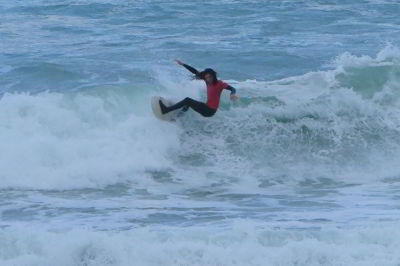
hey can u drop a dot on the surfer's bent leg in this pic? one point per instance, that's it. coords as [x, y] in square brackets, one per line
[199, 107]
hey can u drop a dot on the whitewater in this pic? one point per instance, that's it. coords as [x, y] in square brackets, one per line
[302, 170]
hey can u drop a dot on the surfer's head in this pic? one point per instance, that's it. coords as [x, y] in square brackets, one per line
[209, 75]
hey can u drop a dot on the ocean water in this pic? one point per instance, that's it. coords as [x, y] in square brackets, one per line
[304, 169]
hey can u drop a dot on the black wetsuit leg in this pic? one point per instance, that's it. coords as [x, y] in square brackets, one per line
[199, 107]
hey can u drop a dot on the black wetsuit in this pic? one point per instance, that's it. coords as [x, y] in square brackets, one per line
[200, 107]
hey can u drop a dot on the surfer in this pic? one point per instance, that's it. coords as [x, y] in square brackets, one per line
[214, 90]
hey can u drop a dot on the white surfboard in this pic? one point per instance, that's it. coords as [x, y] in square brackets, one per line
[155, 106]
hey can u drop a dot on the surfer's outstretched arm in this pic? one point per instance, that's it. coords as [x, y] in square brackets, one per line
[233, 92]
[191, 69]
[232, 89]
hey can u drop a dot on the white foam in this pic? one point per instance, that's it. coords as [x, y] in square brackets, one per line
[244, 243]
[60, 141]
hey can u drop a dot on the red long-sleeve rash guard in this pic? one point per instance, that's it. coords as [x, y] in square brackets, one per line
[213, 90]
[214, 93]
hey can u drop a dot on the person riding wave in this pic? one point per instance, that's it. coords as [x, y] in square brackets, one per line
[214, 90]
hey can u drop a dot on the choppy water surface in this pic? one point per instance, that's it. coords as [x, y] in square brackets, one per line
[302, 170]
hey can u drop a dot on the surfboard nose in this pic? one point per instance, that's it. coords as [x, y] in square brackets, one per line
[155, 107]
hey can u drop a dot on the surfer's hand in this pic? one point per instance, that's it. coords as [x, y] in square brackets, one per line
[179, 62]
[234, 97]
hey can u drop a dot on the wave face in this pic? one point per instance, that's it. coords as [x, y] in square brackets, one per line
[302, 170]
[321, 124]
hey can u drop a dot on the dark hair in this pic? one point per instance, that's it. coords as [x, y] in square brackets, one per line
[209, 71]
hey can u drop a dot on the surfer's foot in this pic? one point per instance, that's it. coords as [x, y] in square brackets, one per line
[163, 107]
[185, 108]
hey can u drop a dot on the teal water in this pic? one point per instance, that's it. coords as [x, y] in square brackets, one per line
[302, 170]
